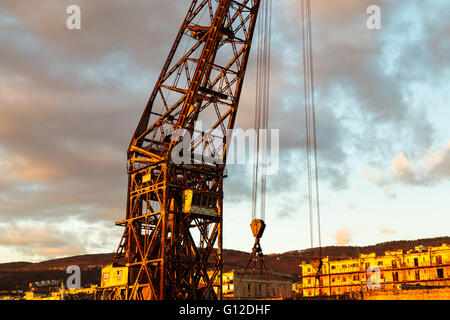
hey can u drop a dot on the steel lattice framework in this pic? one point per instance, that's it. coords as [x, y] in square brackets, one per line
[201, 82]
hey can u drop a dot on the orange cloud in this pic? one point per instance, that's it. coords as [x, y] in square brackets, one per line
[343, 236]
[402, 168]
[427, 169]
[26, 170]
[45, 240]
[439, 163]
[388, 231]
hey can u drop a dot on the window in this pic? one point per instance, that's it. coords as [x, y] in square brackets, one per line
[119, 275]
[106, 276]
[440, 273]
[439, 259]
[333, 267]
[417, 275]
[380, 263]
[394, 263]
[395, 276]
[416, 262]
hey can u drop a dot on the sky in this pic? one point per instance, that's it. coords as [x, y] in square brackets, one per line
[71, 99]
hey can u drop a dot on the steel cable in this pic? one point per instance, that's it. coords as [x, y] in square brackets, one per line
[262, 94]
[310, 121]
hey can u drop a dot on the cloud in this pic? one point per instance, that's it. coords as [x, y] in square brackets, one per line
[439, 163]
[343, 236]
[364, 87]
[70, 100]
[388, 231]
[290, 205]
[427, 169]
[379, 181]
[402, 169]
[38, 241]
[25, 170]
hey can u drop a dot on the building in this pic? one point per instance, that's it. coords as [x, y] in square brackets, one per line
[31, 295]
[426, 267]
[114, 276]
[238, 284]
[63, 294]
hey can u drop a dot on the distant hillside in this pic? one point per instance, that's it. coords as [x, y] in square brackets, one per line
[88, 261]
[13, 266]
[17, 275]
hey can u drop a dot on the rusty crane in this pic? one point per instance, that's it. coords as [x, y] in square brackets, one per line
[169, 203]
[172, 202]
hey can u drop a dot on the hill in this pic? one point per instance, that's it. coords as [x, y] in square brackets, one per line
[17, 275]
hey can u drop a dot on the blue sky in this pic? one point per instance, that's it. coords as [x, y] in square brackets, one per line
[70, 101]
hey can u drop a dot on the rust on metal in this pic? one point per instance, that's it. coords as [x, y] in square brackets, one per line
[172, 241]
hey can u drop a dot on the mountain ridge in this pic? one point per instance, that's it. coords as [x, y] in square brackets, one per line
[17, 275]
[87, 261]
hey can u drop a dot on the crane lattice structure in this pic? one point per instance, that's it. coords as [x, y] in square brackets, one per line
[171, 203]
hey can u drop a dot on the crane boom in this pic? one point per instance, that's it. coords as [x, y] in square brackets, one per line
[171, 203]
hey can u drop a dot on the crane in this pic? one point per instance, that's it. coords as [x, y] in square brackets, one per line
[170, 203]
[177, 158]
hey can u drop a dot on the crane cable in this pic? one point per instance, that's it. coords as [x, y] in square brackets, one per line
[262, 89]
[310, 119]
[264, 28]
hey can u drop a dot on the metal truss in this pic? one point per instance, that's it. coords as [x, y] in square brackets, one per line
[172, 253]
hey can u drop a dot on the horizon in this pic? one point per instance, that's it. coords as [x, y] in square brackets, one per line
[247, 252]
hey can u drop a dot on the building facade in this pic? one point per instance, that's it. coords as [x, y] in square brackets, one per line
[237, 284]
[428, 267]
